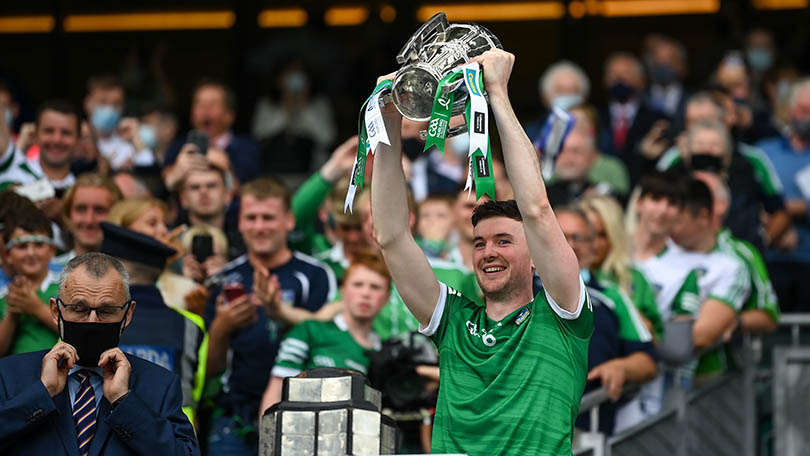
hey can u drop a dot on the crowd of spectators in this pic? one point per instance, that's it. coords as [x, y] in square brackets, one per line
[682, 204]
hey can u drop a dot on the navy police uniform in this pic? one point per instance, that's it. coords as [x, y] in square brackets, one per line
[173, 339]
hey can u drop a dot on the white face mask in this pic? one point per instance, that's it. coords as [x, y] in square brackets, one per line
[460, 145]
[567, 101]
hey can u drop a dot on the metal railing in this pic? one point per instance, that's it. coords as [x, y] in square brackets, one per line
[718, 417]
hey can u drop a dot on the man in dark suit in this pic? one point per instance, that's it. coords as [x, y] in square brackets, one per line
[213, 112]
[85, 396]
[628, 117]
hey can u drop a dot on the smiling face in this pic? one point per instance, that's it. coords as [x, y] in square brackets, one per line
[90, 206]
[364, 292]
[29, 258]
[57, 136]
[657, 215]
[264, 224]
[501, 257]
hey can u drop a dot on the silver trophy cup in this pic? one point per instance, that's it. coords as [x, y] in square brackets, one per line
[431, 53]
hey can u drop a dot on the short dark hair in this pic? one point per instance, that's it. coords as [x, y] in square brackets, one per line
[698, 196]
[31, 220]
[230, 96]
[492, 208]
[12, 203]
[61, 106]
[667, 184]
[104, 81]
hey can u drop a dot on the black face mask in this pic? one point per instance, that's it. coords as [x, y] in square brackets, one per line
[621, 92]
[412, 147]
[91, 339]
[663, 74]
[707, 162]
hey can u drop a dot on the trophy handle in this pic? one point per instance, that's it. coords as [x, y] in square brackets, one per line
[436, 24]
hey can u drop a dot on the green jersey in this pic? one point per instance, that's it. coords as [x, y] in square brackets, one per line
[676, 288]
[764, 171]
[395, 320]
[14, 169]
[31, 334]
[509, 387]
[763, 296]
[641, 294]
[313, 344]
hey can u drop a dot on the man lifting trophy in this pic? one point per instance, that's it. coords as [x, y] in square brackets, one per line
[512, 371]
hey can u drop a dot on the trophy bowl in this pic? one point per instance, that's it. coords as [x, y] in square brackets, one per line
[435, 50]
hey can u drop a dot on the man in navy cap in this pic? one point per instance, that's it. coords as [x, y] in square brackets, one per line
[169, 337]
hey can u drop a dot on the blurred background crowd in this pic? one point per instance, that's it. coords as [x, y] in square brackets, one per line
[683, 186]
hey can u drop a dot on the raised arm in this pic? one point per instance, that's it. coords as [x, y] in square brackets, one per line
[552, 256]
[413, 277]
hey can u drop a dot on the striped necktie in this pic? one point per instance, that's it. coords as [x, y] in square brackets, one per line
[84, 412]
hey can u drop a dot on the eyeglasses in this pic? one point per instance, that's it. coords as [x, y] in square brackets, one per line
[81, 312]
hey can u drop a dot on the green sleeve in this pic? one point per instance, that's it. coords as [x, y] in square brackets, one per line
[687, 300]
[293, 353]
[764, 171]
[644, 298]
[305, 205]
[763, 296]
[631, 325]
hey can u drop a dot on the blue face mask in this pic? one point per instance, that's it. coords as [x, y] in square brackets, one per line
[568, 101]
[148, 136]
[105, 118]
[760, 59]
[9, 118]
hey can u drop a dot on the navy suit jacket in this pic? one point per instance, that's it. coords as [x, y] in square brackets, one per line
[148, 421]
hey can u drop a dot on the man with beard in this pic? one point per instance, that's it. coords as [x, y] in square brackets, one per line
[513, 370]
[85, 395]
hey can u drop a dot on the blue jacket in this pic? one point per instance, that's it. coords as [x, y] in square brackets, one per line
[148, 421]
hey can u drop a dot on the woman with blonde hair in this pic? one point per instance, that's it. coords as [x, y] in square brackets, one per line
[148, 216]
[612, 262]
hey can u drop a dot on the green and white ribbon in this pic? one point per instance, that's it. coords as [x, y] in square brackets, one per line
[371, 131]
[477, 115]
[442, 110]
